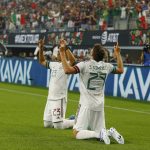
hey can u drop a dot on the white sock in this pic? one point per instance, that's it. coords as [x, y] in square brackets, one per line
[64, 124]
[48, 124]
[87, 134]
[68, 123]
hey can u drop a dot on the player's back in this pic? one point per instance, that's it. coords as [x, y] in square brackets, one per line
[58, 81]
[92, 81]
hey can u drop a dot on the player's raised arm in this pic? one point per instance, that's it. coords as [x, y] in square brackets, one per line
[41, 56]
[67, 68]
[119, 68]
[70, 57]
[142, 57]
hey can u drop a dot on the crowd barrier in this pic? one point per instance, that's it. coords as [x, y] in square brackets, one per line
[106, 38]
[134, 83]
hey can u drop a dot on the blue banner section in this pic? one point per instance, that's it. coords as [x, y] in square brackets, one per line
[22, 71]
[134, 83]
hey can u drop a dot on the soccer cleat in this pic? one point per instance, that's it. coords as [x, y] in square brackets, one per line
[104, 137]
[113, 133]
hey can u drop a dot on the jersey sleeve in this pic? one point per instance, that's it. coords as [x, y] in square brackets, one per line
[79, 67]
[110, 68]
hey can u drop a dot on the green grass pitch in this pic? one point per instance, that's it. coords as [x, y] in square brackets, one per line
[21, 124]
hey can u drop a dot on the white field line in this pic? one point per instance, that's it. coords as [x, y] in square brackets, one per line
[40, 95]
[126, 109]
[22, 92]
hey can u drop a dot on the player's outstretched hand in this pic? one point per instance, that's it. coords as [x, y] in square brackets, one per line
[41, 43]
[116, 49]
[62, 44]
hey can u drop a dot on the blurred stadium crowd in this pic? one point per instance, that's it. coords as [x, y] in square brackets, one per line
[74, 15]
[35, 15]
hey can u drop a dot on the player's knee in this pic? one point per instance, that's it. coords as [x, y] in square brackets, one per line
[75, 133]
[58, 125]
[48, 124]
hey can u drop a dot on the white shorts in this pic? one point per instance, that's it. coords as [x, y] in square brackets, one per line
[55, 110]
[89, 120]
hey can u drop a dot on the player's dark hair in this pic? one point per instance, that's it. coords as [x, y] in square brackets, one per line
[98, 52]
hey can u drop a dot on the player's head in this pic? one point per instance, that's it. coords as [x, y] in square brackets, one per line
[98, 52]
[56, 54]
[146, 48]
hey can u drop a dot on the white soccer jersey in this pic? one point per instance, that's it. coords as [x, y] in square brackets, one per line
[92, 81]
[58, 81]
